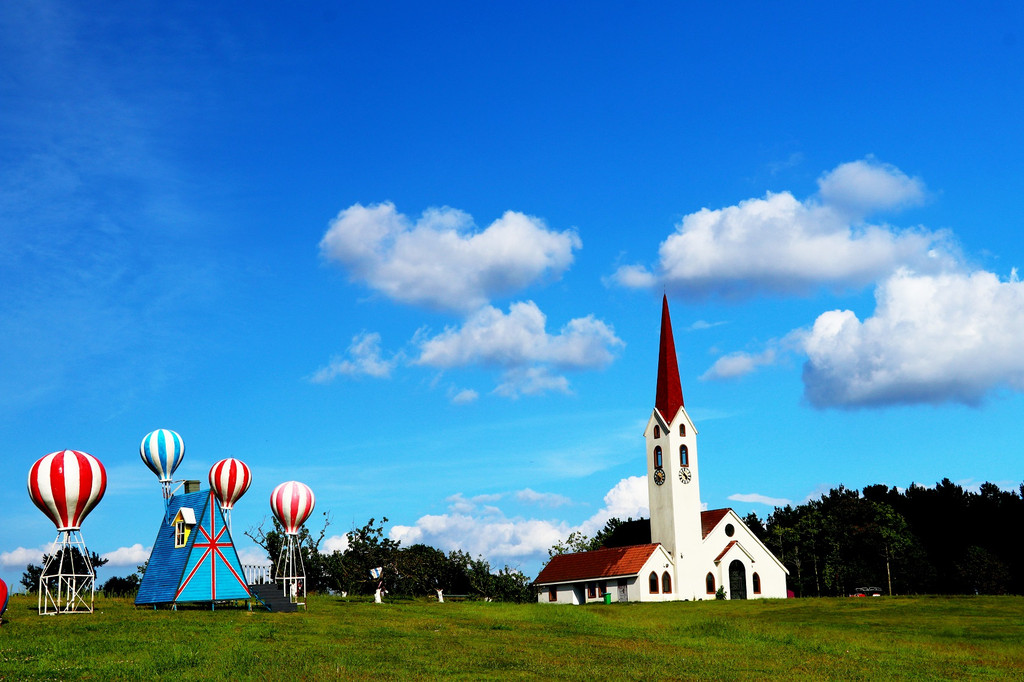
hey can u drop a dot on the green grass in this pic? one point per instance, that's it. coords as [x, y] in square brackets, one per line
[843, 639]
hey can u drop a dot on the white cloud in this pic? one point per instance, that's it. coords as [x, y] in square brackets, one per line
[933, 338]
[489, 532]
[530, 496]
[627, 499]
[519, 338]
[500, 539]
[757, 498]
[531, 381]
[861, 187]
[133, 556]
[701, 325]
[335, 543]
[738, 364]
[364, 358]
[253, 556]
[23, 556]
[777, 244]
[491, 337]
[635, 277]
[520, 342]
[441, 260]
[458, 503]
[464, 396]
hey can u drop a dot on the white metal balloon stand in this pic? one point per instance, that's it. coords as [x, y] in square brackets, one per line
[226, 513]
[68, 581]
[291, 572]
[170, 489]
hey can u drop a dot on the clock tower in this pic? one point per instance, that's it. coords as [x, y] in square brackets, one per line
[673, 483]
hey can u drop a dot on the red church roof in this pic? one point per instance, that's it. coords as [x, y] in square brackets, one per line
[725, 551]
[711, 518]
[600, 563]
[669, 396]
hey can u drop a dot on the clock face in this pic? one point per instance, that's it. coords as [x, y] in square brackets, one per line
[659, 476]
[685, 475]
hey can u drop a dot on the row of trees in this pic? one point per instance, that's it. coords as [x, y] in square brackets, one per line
[75, 561]
[941, 540]
[416, 570]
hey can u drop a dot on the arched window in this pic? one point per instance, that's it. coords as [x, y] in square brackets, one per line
[710, 583]
[657, 431]
[657, 457]
[666, 583]
[757, 583]
[682, 429]
[684, 456]
[653, 583]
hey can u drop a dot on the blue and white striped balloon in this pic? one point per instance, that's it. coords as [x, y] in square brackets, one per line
[162, 451]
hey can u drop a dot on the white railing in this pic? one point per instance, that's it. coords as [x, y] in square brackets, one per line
[257, 574]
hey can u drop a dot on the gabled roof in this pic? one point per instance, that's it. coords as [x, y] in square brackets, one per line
[725, 551]
[739, 547]
[669, 395]
[205, 569]
[186, 514]
[167, 562]
[711, 518]
[600, 563]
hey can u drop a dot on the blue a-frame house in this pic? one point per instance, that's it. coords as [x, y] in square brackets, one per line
[193, 558]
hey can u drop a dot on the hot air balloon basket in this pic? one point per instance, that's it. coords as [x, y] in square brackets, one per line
[68, 581]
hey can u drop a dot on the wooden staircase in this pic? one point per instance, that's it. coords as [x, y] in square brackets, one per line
[272, 597]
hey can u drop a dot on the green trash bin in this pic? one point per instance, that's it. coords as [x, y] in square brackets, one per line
[607, 597]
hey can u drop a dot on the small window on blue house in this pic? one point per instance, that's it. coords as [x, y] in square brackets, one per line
[684, 456]
[652, 583]
[657, 457]
[183, 522]
[180, 534]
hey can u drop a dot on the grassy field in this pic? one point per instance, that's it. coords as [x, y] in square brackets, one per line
[876, 639]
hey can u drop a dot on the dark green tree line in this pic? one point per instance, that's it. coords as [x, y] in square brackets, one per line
[942, 540]
[414, 571]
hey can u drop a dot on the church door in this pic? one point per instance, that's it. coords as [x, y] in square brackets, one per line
[737, 580]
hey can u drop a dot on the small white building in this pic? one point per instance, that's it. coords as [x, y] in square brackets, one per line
[692, 553]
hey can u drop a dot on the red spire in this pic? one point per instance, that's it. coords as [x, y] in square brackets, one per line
[670, 392]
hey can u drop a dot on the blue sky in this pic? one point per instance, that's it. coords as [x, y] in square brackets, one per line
[413, 255]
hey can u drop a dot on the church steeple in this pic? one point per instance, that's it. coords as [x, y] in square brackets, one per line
[669, 396]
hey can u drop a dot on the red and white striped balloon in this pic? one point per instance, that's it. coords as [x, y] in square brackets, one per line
[66, 485]
[229, 479]
[292, 503]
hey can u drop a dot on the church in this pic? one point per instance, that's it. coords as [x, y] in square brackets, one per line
[691, 554]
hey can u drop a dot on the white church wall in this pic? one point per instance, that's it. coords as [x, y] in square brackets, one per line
[751, 552]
